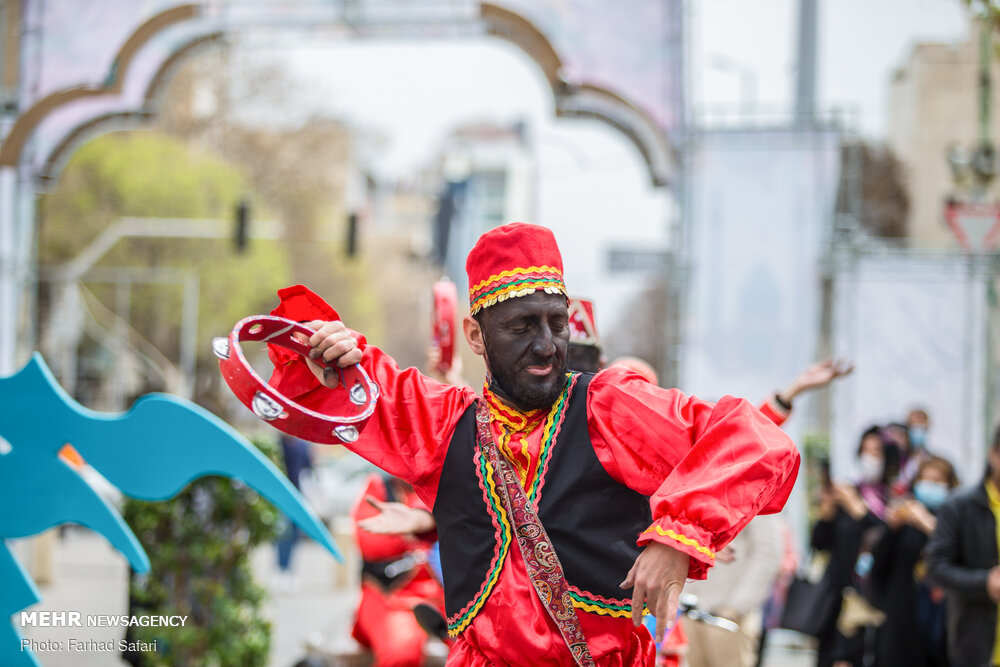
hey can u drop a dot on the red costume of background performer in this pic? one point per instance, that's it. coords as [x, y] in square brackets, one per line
[395, 578]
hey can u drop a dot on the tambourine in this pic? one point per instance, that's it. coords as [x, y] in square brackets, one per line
[359, 392]
[445, 306]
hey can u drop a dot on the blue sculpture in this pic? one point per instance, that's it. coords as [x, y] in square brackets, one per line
[150, 452]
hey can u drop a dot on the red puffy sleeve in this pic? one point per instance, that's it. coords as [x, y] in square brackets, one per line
[414, 418]
[707, 468]
[774, 411]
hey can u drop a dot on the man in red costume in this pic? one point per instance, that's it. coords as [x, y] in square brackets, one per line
[584, 352]
[395, 575]
[556, 494]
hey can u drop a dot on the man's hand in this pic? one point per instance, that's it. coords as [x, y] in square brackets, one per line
[815, 376]
[453, 375]
[434, 362]
[396, 519]
[727, 555]
[332, 344]
[993, 584]
[657, 578]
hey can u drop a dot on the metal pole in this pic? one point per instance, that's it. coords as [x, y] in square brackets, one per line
[984, 83]
[8, 269]
[805, 80]
[189, 333]
[984, 161]
[123, 306]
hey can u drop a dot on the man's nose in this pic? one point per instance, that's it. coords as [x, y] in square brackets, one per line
[544, 343]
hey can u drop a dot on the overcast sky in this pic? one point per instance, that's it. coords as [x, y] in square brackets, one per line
[415, 91]
[860, 44]
[588, 174]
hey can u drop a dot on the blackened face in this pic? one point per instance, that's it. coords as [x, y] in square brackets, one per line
[526, 339]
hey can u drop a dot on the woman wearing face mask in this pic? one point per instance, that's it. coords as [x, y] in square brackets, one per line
[913, 443]
[848, 513]
[878, 465]
[913, 632]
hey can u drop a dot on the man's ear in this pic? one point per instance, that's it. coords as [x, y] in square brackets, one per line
[474, 335]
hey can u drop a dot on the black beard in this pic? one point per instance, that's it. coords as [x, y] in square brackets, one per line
[506, 384]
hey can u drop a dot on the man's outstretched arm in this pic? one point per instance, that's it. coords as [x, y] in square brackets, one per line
[707, 468]
[414, 416]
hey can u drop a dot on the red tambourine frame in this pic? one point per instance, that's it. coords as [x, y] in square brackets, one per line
[445, 308]
[359, 392]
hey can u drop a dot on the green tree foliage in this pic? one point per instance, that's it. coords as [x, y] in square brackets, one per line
[301, 164]
[988, 10]
[199, 544]
[872, 188]
[132, 174]
[147, 174]
[201, 166]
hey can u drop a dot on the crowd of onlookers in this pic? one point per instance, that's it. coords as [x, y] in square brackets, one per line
[874, 532]
[903, 568]
[911, 576]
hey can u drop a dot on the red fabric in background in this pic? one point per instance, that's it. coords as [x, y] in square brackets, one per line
[384, 621]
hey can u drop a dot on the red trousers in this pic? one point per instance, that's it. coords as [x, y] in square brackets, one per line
[385, 623]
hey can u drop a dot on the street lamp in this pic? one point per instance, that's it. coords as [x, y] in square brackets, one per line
[748, 79]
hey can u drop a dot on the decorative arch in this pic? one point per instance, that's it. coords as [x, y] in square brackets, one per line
[522, 33]
[585, 101]
[571, 100]
[589, 101]
[124, 120]
[10, 152]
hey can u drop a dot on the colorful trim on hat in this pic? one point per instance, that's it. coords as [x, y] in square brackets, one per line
[513, 283]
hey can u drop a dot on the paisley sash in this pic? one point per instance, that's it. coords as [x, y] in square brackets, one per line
[544, 568]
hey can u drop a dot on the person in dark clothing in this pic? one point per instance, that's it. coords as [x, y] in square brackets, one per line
[846, 519]
[840, 532]
[913, 634]
[298, 459]
[963, 558]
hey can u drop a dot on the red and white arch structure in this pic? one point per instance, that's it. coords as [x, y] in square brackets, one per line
[81, 69]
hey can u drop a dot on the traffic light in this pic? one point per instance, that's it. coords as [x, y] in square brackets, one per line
[352, 235]
[242, 230]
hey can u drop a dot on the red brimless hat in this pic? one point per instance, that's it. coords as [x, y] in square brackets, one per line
[582, 326]
[513, 260]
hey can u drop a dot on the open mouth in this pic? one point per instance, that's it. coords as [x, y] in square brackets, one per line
[539, 370]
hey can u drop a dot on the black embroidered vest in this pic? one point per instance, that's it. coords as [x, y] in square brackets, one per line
[592, 520]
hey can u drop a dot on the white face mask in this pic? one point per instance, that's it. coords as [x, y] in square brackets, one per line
[871, 467]
[918, 436]
[932, 494]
